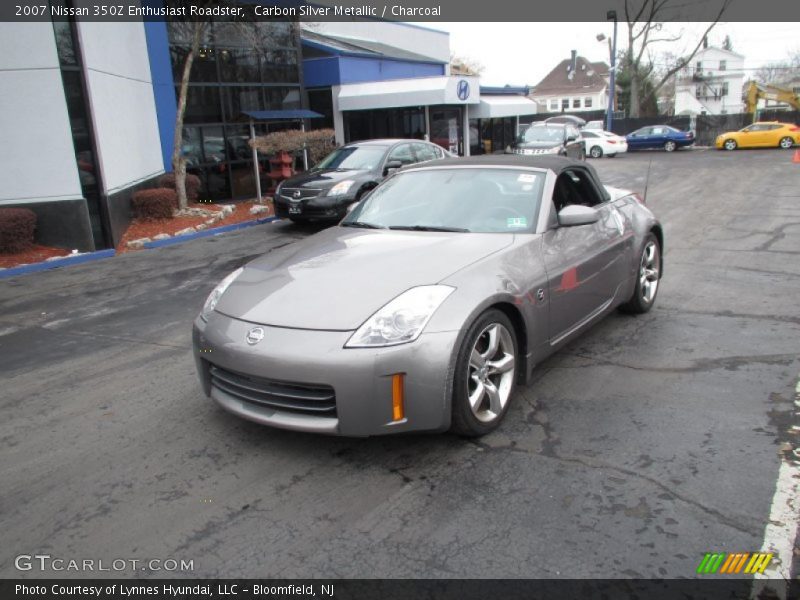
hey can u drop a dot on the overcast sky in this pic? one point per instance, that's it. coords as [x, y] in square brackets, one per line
[523, 53]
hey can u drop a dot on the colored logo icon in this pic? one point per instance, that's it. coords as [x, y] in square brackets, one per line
[733, 563]
[463, 90]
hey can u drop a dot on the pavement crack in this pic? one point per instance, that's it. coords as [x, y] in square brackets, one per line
[734, 523]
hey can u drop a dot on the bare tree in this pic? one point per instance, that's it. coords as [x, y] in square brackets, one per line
[197, 30]
[643, 19]
[465, 65]
[781, 71]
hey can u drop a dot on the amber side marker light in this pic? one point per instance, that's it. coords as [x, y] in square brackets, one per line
[398, 397]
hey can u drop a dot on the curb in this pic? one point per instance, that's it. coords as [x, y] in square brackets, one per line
[207, 232]
[55, 264]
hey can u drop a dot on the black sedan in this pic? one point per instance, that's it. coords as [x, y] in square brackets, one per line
[659, 136]
[345, 175]
[550, 138]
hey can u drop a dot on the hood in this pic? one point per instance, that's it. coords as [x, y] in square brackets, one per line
[537, 145]
[323, 179]
[336, 279]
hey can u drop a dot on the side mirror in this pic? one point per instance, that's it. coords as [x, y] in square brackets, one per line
[575, 214]
[392, 165]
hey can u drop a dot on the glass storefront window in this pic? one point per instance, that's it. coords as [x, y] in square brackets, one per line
[202, 104]
[238, 65]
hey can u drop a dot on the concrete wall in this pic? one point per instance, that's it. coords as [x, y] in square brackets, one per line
[122, 104]
[37, 154]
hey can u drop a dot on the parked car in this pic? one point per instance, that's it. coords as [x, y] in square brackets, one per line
[598, 143]
[595, 125]
[345, 175]
[567, 120]
[424, 307]
[659, 136]
[765, 134]
[550, 138]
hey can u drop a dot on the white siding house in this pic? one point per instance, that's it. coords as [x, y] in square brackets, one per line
[711, 84]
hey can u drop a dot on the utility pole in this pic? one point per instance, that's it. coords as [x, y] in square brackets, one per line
[612, 90]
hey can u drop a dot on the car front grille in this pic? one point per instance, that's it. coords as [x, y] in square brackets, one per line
[310, 399]
[305, 193]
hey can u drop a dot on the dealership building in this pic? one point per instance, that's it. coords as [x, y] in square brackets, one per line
[88, 109]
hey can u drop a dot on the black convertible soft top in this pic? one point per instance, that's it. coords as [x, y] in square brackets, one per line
[551, 162]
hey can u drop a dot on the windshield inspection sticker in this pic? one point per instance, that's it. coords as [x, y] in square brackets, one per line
[516, 222]
[526, 178]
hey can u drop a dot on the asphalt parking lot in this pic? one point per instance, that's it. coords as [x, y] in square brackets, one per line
[641, 446]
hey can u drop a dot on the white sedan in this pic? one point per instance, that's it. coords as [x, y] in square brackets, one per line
[600, 143]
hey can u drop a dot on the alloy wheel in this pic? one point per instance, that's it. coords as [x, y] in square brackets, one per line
[670, 146]
[730, 144]
[596, 152]
[786, 143]
[649, 272]
[490, 372]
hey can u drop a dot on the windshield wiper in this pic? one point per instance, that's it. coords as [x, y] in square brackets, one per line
[362, 224]
[428, 228]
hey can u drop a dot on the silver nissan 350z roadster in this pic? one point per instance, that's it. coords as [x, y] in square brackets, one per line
[437, 294]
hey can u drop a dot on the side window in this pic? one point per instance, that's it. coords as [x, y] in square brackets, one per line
[402, 153]
[775, 126]
[424, 152]
[658, 131]
[438, 150]
[589, 134]
[575, 186]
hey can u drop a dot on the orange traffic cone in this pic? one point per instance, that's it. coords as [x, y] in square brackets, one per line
[796, 157]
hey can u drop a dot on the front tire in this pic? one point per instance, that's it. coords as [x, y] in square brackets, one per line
[596, 152]
[729, 144]
[485, 375]
[786, 143]
[647, 278]
[670, 146]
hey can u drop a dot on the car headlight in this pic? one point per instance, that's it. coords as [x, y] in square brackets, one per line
[341, 187]
[401, 320]
[216, 294]
[554, 150]
[278, 189]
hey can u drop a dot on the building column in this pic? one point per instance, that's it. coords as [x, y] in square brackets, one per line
[338, 117]
[465, 128]
[427, 123]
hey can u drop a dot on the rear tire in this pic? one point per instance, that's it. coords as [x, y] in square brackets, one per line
[729, 144]
[596, 152]
[485, 375]
[670, 146]
[786, 143]
[648, 276]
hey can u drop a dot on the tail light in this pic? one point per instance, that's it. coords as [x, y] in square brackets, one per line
[794, 128]
[612, 141]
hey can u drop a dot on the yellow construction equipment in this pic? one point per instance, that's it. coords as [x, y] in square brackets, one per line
[758, 91]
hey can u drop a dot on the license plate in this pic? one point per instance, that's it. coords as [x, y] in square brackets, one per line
[295, 210]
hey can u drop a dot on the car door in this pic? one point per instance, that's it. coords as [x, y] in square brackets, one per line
[586, 264]
[639, 138]
[658, 137]
[402, 153]
[753, 136]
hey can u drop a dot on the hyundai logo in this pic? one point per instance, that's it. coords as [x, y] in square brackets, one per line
[255, 335]
[297, 193]
[463, 90]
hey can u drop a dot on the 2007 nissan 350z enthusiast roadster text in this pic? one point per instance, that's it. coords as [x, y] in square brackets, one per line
[423, 308]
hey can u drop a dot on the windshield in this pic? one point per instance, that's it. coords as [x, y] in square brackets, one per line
[540, 133]
[359, 158]
[482, 200]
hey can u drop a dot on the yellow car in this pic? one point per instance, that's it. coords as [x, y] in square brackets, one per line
[760, 135]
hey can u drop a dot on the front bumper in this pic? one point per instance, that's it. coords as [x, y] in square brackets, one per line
[329, 208]
[361, 378]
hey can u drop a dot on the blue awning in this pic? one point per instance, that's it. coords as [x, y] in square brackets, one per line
[282, 115]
